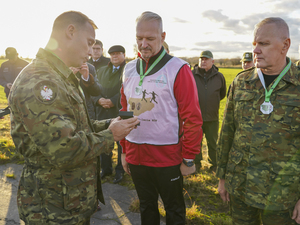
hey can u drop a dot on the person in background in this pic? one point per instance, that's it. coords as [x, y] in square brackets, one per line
[163, 147]
[50, 127]
[247, 60]
[108, 103]
[258, 149]
[211, 87]
[89, 85]
[97, 59]
[10, 69]
[166, 47]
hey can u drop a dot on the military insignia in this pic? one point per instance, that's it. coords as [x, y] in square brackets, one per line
[45, 92]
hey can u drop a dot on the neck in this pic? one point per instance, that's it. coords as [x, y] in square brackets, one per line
[274, 70]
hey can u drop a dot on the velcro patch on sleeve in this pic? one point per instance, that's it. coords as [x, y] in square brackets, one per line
[45, 92]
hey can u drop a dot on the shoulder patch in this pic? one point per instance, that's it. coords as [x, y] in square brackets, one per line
[45, 92]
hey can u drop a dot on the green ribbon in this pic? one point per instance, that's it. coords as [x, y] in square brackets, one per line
[283, 72]
[142, 76]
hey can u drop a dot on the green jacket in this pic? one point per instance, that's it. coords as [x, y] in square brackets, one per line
[259, 155]
[51, 129]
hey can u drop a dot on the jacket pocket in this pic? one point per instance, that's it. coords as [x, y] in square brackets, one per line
[243, 109]
[287, 112]
[79, 189]
[284, 180]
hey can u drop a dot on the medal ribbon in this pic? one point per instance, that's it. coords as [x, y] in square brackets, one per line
[268, 93]
[150, 68]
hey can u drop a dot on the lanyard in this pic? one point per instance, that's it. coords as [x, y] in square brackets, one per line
[150, 68]
[268, 93]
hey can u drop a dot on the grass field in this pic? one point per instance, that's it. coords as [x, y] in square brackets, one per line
[204, 205]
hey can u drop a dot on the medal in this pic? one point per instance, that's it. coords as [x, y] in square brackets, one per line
[138, 90]
[266, 108]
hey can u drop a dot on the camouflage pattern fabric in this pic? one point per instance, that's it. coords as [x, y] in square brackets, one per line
[243, 214]
[50, 127]
[258, 154]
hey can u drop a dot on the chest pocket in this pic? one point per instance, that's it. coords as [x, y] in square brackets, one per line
[243, 105]
[287, 112]
[79, 110]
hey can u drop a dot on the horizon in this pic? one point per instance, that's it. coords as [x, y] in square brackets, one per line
[223, 27]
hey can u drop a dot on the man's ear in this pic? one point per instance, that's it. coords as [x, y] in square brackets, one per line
[163, 35]
[70, 31]
[286, 45]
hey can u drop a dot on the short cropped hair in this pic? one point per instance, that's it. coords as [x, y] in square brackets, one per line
[72, 17]
[148, 16]
[280, 24]
[98, 42]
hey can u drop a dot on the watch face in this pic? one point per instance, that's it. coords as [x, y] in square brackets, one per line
[190, 163]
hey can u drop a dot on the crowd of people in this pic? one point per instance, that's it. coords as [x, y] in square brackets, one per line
[64, 121]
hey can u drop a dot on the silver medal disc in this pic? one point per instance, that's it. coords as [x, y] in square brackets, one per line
[138, 90]
[266, 108]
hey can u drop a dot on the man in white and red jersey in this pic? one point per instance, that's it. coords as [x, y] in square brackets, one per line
[161, 91]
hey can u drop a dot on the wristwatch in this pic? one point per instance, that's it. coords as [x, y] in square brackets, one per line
[188, 163]
[107, 123]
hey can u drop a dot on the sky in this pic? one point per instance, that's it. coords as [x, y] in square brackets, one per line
[224, 27]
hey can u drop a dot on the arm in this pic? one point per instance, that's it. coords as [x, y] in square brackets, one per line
[223, 88]
[226, 135]
[3, 82]
[185, 92]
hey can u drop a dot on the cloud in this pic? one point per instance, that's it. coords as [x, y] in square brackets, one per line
[178, 20]
[176, 48]
[220, 46]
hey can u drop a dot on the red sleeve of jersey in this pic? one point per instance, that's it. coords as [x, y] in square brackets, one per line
[124, 108]
[185, 92]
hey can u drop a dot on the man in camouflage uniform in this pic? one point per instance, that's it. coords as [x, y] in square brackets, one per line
[258, 150]
[60, 182]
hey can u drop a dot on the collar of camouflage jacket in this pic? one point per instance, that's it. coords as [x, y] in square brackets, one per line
[292, 76]
[54, 61]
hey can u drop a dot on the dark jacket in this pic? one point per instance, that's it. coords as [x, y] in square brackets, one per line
[93, 89]
[111, 83]
[9, 71]
[211, 87]
[102, 61]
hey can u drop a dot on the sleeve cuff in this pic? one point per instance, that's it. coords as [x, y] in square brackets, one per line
[86, 80]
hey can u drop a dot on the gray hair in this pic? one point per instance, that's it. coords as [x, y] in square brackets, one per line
[148, 16]
[283, 28]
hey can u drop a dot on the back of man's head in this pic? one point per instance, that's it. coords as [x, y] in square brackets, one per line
[71, 17]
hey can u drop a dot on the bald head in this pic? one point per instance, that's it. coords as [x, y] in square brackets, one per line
[281, 31]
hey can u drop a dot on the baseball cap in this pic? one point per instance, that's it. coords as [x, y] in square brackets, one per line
[10, 52]
[116, 48]
[206, 54]
[247, 57]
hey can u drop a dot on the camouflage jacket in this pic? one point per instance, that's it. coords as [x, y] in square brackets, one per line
[258, 155]
[51, 129]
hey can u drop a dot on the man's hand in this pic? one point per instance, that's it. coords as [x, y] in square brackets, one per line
[121, 128]
[125, 163]
[222, 191]
[105, 103]
[296, 212]
[185, 170]
[8, 85]
[83, 70]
